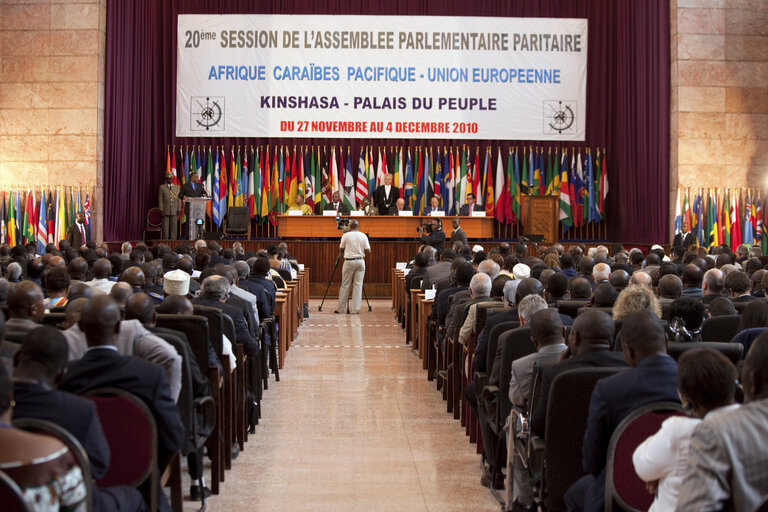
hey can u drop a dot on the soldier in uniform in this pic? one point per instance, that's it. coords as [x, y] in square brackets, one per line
[170, 205]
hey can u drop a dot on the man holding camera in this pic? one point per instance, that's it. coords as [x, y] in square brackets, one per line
[353, 248]
[432, 234]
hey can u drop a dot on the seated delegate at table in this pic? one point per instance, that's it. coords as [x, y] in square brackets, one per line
[300, 205]
[471, 206]
[434, 206]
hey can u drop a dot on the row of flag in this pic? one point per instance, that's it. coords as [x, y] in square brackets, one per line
[727, 216]
[268, 179]
[41, 217]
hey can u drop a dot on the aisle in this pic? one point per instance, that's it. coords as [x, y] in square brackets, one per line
[353, 424]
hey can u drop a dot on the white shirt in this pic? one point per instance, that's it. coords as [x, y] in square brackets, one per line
[104, 285]
[354, 244]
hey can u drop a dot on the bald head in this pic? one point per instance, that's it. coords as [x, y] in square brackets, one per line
[547, 328]
[140, 306]
[78, 269]
[100, 320]
[134, 276]
[73, 311]
[641, 277]
[642, 335]
[79, 289]
[175, 305]
[670, 286]
[102, 268]
[120, 293]
[601, 272]
[528, 286]
[592, 331]
[25, 301]
[619, 279]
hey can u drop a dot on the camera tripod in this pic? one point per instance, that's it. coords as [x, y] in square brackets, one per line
[335, 266]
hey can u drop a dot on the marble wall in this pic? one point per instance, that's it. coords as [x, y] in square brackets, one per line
[52, 95]
[719, 93]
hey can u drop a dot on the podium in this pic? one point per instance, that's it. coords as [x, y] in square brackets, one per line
[540, 216]
[196, 215]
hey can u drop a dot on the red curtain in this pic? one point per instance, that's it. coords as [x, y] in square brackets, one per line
[627, 97]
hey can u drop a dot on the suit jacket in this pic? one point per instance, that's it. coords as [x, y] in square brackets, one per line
[73, 413]
[394, 211]
[521, 377]
[199, 382]
[458, 235]
[104, 367]
[74, 238]
[435, 274]
[169, 202]
[679, 241]
[242, 333]
[713, 480]
[264, 308]
[190, 189]
[269, 288]
[746, 298]
[383, 201]
[443, 303]
[654, 379]
[428, 210]
[436, 239]
[342, 209]
[481, 350]
[595, 359]
[464, 210]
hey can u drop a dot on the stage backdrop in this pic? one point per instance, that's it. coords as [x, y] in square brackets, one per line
[426, 76]
[626, 111]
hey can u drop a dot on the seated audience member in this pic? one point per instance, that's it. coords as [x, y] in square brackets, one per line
[635, 298]
[692, 277]
[462, 276]
[134, 276]
[557, 288]
[186, 265]
[589, 345]
[41, 363]
[13, 272]
[41, 466]
[580, 288]
[479, 291]
[242, 298]
[35, 269]
[726, 458]
[670, 289]
[26, 311]
[437, 275]
[566, 265]
[642, 278]
[721, 306]
[120, 293]
[706, 381]
[651, 378]
[686, 317]
[420, 264]
[57, 287]
[548, 335]
[131, 339]
[739, 285]
[496, 296]
[102, 366]
[603, 296]
[78, 289]
[5, 286]
[102, 269]
[214, 291]
[601, 273]
[755, 315]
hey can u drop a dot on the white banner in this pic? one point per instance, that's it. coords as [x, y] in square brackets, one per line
[381, 77]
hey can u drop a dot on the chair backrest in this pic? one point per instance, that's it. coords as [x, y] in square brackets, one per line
[196, 328]
[284, 274]
[482, 314]
[747, 336]
[416, 283]
[494, 311]
[238, 218]
[131, 433]
[215, 326]
[740, 306]
[54, 319]
[567, 411]
[493, 340]
[514, 345]
[228, 327]
[622, 485]
[571, 307]
[48, 428]
[154, 217]
[732, 351]
[609, 311]
[720, 328]
[11, 495]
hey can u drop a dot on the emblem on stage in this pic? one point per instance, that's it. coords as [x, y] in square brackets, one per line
[559, 116]
[207, 113]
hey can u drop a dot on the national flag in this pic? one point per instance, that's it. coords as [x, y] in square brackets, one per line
[327, 184]
[244, 176]
[173, 170]
[698, 208]
[512, 189]
[349, 184]
[399, 177]
[725, 219]
[50, 216]
[753, 211]
[500, 192]
[447, 187]
[759, 220]
[714, 241]
[566, 217]
[589, 199]
[11, 224]
[549, 189]
[185, 176]
[489, 192]
[42, 224]
[231, 179]
[371, 174]
[215, 209]
[764, 234]
[720, 216]
[604, 187]
[686, 210]
[429, 182]
[465, 183]
[198, 166]
[27, 220]
[87, 214]
[70, 210]
[524, 186]
[542, 173]
[3, 221]
[254, 185]
[292, 185]
[223, 185]
[476, 179]
[265, 184]
[317, 183]
[361, 188]
[209, 184]
[735, 222]
[408, 185]
[301, 189]
[420, 184]
[438, 185]
[274, 188]
[383, 170]
[678, 215]
[748, 234]
[578, 198]
[536, 172]
[333, 171]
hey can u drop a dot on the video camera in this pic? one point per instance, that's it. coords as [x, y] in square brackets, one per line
[342, 224]
[426, 227]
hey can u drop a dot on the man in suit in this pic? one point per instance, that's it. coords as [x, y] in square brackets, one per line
[386, 195]
[213, 292]
[652, 377]
[685, 238]
[458, 234]
[712, 285]
[726, 468]
[435, 237]
[471, 206]
[740, 285]
[192, 188]
[439, 273]
[398, 207]
[77, 233]
[434, 206]
[41, 363]
[336, 205]
[102, 366]
[26, 310]
[169, 206]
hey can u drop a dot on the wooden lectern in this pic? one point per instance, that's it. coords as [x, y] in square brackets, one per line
[540, 216]
[196, 213]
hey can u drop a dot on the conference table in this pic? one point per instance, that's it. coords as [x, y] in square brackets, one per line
[377, 226]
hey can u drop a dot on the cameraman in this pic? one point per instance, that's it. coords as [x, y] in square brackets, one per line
[353, 248]
[433, 234]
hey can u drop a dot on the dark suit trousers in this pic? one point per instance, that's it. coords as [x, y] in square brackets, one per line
[170, 227]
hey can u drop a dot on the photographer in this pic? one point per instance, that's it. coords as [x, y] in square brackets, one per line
[353, 248]
[432, 234]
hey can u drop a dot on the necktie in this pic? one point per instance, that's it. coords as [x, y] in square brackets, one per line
[82, 234]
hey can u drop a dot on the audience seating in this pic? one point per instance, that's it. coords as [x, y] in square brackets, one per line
[38, 426]
[608, 311]
[54, 319]
[733, 351]
[154, 224]
[622, 485]
[571, 307]
[11, 495]
[132, 436]
[720, 328]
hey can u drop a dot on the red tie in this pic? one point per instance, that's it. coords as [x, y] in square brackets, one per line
[82, 234]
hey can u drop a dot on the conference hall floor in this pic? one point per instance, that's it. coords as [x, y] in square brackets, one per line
[353, 424]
